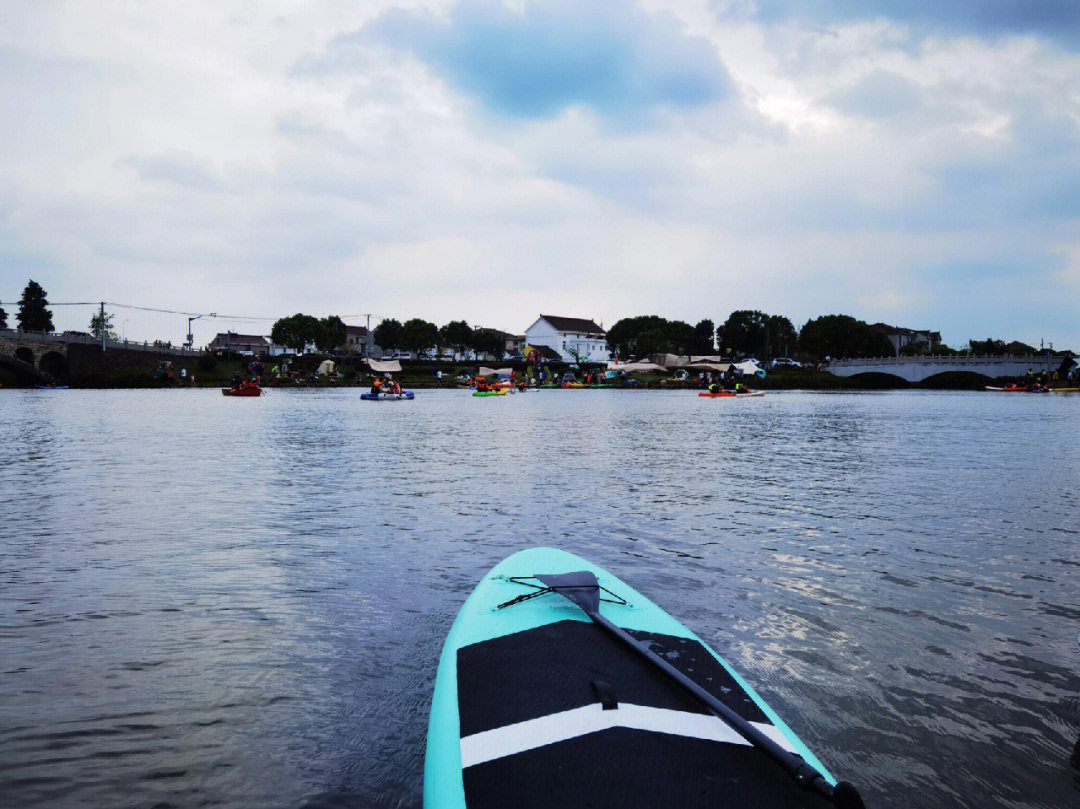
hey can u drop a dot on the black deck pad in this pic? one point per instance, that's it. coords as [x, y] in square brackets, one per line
[550, 669]
[629, 769]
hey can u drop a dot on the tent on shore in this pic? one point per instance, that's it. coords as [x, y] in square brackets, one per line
[384, 366]
[630, 367]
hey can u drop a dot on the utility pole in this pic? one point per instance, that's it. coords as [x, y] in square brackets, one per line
[190, 339]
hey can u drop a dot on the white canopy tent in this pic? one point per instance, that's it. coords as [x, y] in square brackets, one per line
[629, 367]
[384, 366]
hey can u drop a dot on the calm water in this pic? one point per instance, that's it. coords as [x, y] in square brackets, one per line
[240, 603]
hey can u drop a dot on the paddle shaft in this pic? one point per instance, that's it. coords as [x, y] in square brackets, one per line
[803, 773]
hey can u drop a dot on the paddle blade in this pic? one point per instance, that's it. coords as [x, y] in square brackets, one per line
[581, 588]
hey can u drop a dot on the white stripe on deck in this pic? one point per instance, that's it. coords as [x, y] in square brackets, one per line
[558, 727]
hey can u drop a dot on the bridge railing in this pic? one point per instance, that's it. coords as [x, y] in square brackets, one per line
[68, 337]
[951, 359]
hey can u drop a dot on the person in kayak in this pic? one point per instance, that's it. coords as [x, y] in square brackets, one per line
[714, 387]
[730, 377]
[395, 388]
[376, 386]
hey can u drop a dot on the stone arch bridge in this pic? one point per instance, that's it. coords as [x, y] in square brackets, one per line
[50, 357]
[917, 369]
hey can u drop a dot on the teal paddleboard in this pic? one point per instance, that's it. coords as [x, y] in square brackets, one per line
[537, 705]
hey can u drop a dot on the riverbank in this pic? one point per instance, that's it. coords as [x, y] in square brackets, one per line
[210, 372]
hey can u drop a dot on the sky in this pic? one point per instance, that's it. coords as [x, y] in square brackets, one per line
[914, 162]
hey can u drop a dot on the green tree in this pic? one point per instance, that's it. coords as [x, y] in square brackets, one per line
[101, 326]
[388, 334]
[488, 341]
[987, 347]
[744, 332]
[704, 338]
[780, 337]
[456, 335]
[329, 334]
[625, 338]
[418, 335]
[295, 332]
[33, 312]
[3, 319]
[842, 336]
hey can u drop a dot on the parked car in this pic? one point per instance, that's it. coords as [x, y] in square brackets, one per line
[785, 362]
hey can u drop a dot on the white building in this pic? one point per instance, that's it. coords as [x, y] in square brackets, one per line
[575, 339]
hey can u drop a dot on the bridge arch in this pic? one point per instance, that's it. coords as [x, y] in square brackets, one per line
[24, 354]
[53, 363]
[975, 380]
[880, 379]
[24, 373]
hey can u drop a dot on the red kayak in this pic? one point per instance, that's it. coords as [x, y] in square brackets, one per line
[729, 395]
[1019, 389]
[246, 390]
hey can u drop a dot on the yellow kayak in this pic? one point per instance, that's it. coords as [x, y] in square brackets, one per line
[1065, 390]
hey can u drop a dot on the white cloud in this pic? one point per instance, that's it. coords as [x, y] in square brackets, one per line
[180, 156]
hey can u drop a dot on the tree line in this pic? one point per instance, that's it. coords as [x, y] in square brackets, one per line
[415, 335]
[751, 333]
[419, 336]
[748, 333]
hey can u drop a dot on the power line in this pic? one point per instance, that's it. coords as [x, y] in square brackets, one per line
[136, 307]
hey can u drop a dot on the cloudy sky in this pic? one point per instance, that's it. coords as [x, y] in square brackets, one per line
[910, 161]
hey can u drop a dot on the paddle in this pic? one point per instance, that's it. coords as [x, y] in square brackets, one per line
[583, 589]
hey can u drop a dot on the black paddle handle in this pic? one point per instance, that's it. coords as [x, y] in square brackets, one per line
[843, 794]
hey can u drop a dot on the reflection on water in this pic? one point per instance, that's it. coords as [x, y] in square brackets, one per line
[209, 601]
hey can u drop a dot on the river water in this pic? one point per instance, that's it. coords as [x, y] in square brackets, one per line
[240, 602]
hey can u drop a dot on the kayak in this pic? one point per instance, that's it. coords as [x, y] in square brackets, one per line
[729, 395]
[387, 397]
[552, 691]
[1017, 389]
[499, 392]
[246, 391]
[1065, 390]
[52, 387]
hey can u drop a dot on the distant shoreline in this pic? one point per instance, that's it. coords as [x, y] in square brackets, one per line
[421, 375]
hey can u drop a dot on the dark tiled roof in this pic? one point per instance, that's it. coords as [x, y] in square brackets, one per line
[234, 339]
[574, 324]
[359, 331]
[885, 328]
[503, 334]
[547, 353]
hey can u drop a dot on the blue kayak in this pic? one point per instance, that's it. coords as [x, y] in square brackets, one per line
[387, 397]
[561, 686]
